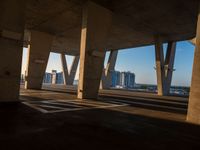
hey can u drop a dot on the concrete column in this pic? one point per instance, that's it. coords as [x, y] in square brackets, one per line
[160, 70]
[164, 67]
[38, 54]
[73, 70]
[92, 52]
[169, 65]
[64, 68]
[194, 99]
[12, 21]
[106, 77]
[69, 76]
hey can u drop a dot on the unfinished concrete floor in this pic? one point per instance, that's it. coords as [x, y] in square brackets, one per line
[56, 120]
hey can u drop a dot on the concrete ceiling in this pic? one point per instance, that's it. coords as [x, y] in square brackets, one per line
[135, 22]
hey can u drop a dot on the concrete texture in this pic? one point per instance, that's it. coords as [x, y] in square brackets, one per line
[69, 75]
[164, 65]
[169, 65]
[134, 22]
[159, 55]
[126, 127]
[38, 54]
[194, 103]
[92, 52]
[106, 75]
[11, 35]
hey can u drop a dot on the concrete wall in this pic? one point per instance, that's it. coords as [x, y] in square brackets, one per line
[12, 21]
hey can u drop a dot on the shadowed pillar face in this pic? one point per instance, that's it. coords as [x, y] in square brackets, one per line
[92, 52]
[38, 54]
[194, 100]
[12, 22]
[106, 75]
[69, 76]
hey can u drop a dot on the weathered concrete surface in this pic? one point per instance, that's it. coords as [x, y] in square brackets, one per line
[11, 36]
[92, 51]
[106, 75]
[194, 101]
[118, 128]
[164, 65]
[134, 22]
[169, 65]
[38, 54]
[160, 72]
[64, 67]
[69, 75]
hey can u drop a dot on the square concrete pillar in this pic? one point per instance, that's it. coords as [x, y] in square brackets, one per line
[38, 55]
[194, 99]
[92, 52]
[12, 21]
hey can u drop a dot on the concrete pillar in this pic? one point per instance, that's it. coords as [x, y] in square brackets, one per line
[194, 99]
[69, 76]
[164, 67]
[38, 54]
[106, 76]
[64, 68]
[73, 70]
[92, 52]
[169, 65]
[159, 55]
[12, 21]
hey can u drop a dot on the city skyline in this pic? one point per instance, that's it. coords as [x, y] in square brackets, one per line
[140, 60]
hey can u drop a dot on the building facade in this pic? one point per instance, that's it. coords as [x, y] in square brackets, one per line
[54, 77]
[122, 79]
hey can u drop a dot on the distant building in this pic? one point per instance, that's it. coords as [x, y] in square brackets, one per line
[59, 78]
[54, 77]
[122, 79]
[47, 78]
[115, 78]
[54, 74]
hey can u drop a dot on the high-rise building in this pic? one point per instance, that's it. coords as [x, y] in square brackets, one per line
[59, 78]
[54, 77]
[47, 78]
[122, 79]
[115, 78]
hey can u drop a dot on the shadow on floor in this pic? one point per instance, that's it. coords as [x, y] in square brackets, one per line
[23, 128]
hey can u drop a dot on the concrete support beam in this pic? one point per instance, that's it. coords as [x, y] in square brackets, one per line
[69, 76]
[194, 99]
[106, 76]
[169, 66]
[12, 21]
[159, 55]
[38, 54]
[92, 52]
[73, 70]
[64, 68]
[164, 67]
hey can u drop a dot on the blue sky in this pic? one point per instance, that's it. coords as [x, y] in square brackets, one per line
[141, 61]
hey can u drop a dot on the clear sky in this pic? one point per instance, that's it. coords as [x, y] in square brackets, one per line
[141, 61]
